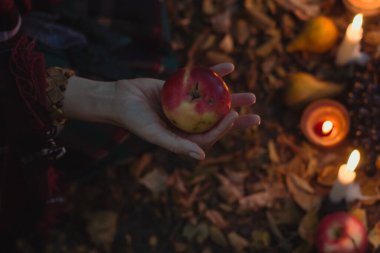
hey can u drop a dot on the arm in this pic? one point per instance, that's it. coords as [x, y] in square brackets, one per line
[135, 105]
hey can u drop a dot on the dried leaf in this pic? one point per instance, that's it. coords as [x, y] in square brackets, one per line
[369, 188]
[303, 9]
[189, 231]
[306, 228]
[265, 198]
[188, 200]
[260, 239]
[257, 16]
[228, 190]
[273, 155]
[155, 181]
[141, 165]
[221, 22]
[256, 201]
[268, 46]
[175, 181]
[101, 228]
[208, 42]
[218, 237]
[202, 233]
[301, 183]
[302, 192]
[227, 43]
[216, 218]
[374, 236]
[237, 241]
[327, 175]
[208, 7]
[289, 214]
[216, 57]
[372, 38]
[199, 232]
[242, 31]
[180, 247]
[237, 178]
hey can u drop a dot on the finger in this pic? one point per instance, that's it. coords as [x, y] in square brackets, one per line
[223, 68]
[172, 142]
[221, 128]
[246, 121]
[242, 99]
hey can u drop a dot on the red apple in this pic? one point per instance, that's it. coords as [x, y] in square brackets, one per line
[341, 232]
[195, 99]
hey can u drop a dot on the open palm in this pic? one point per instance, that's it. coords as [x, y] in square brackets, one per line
[139, 110]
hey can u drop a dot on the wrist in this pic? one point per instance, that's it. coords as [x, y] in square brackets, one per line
[89, 100]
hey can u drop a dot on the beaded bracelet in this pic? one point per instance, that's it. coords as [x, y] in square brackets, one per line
[57, 79]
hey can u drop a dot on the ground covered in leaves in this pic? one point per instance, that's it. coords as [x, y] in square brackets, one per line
[260, 189]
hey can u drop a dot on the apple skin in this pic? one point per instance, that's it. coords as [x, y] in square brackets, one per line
[341, 232]
[195, 99]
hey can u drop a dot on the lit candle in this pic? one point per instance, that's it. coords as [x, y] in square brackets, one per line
[325, 122]
[346, 176]
[349, 49]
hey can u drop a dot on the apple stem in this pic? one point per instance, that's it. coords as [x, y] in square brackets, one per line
[195, 92]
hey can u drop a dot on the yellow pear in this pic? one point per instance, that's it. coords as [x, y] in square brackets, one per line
[304, 88]
[318, 36]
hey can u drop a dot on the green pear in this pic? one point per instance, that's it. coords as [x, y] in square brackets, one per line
[304, 88]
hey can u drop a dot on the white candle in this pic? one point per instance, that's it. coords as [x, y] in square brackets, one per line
[349, 49]
[346, 177]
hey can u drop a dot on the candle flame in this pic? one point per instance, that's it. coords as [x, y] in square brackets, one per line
[353, 160]
[327, 126]
[357, 22]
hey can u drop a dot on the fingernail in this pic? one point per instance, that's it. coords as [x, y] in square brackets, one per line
[195, 155]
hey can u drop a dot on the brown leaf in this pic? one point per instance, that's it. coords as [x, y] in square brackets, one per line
[303, 9]
[372, 38]
[374, 236]
[306, 228]
[208, 42]
[273, 154]
[227, 43]
[208, 7]
[265, 49]
[216, 218]
[155, 181]
[327, 175]
[188, 200]
[216, 57]
[175, 181]
[260, 240]
[237, 178]
[302, 192]
[101, 228]
[258, 17]
[198, 232]
[218, 237]
[256, 201]
[221, 22]
[237, 241]
[141, 164]
[369, 188]
[242, 31]
[228, 190]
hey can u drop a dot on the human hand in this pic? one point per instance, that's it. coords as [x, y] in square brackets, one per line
[137, 107]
